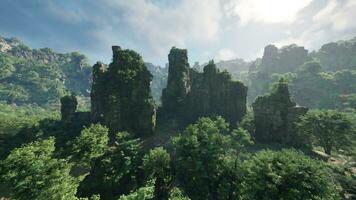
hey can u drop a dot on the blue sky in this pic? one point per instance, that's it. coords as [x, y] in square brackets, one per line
[209, 29]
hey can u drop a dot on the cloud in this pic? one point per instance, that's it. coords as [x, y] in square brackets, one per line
[333, 21]
[67, 14]
[159, 28]
[266, 12]
[226, 54]
[220, 29]
[291, 40]
[340, 15]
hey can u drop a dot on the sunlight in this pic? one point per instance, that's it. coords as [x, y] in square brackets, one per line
[273, 11]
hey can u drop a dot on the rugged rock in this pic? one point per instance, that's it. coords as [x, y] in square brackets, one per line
[274, 60]
[98, 98]
[178, 83]
[120, 95]
[68, 107]
[215, 93]
[275, 115]
[286, 59]
[191, 94]
[335, 56]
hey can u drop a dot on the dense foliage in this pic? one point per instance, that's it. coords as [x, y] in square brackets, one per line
[33, 173]
[117, 171]
[41, 76]
[91, 144]
[206, 155]
[322, 79]
[272, 150]
[287, 174]
[329, 129]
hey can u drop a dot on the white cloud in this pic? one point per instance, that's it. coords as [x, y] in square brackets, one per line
[339, 15]
[333, 22]
[266, 11]
[226, 54]
[72, 16]
[245, 26]
[163, 27]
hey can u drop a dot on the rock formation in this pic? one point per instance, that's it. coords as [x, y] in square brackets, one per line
[275, 115]
[178, 83]
[68, 107]
[191, 94]
[215, 93]
[120, 97]
[274, 60]
[286, 59]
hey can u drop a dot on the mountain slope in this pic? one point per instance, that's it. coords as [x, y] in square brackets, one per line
[40, 76]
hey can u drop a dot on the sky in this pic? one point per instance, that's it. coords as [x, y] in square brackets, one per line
[209, 29]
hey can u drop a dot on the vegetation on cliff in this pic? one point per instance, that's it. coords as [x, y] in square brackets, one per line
[208, 143]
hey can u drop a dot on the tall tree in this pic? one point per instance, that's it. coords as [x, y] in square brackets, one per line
[329, 129]
[33, 173]
[116, 172]
[92, 143]
[157, 164]
[201, 159]
[286, 174]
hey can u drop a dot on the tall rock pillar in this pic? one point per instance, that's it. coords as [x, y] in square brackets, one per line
[178, 84]
[121, 96]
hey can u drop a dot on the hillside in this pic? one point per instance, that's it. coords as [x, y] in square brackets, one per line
[40, 76]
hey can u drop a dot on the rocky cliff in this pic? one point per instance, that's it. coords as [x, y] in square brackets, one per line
[275, 115]
[178, 83]
[191, 94]
[120, 97]
[283, 60]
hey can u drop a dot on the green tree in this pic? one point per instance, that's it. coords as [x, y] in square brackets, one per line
[7, 68]
[200, 162]
[157, 164]
[310, 67]
[328, 128]
[248, 122]
[143, 193]
[177, 194]
[91, 144]
[116, 172]
[241, 139]
[147, 193]
[287, 174]
[33, 173]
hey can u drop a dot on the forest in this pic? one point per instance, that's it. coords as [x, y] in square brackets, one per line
[282, 126]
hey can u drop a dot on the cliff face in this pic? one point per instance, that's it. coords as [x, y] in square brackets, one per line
[275, 115]
[274, 60]
[286, 59]
[178, 83]
[191, 94]
[120, 97]
[68, 108]
[69, 111]
[215, 93]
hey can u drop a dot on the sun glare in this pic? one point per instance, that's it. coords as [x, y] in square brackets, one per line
[272, 11]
